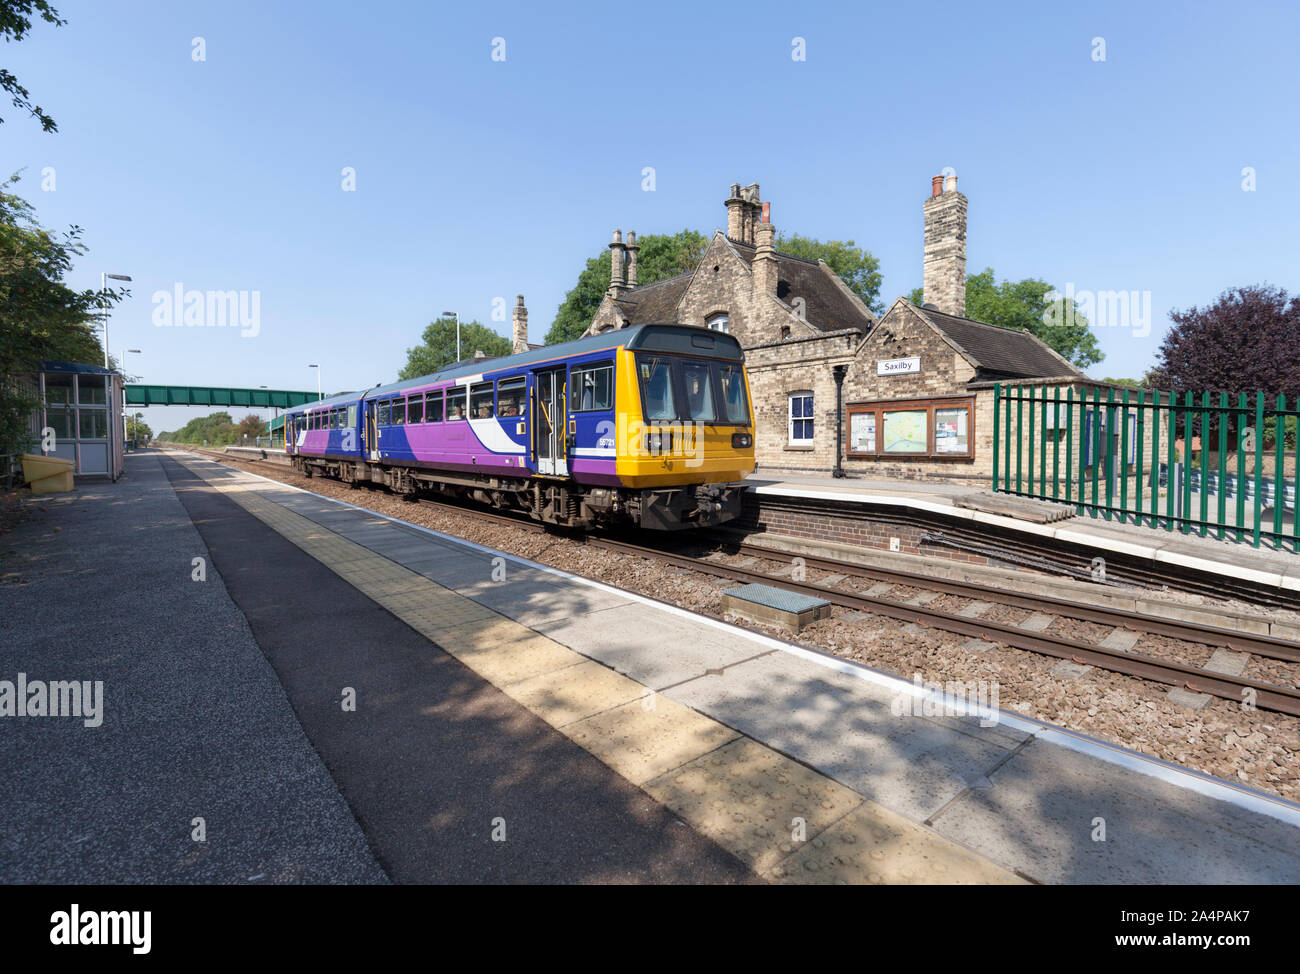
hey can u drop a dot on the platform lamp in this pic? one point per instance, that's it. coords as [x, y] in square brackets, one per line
[456, 315]
[103, 291]
[838, 371]
[122, 364]
[318, 392]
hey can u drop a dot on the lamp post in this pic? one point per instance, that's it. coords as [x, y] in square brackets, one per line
[319, 396]
[456, 315]
[122, 364]
[838, 372]
[103, 293]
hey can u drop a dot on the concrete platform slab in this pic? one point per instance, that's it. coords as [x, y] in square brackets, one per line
[1154, 832]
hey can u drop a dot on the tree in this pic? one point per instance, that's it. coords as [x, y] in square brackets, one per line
[855, 266]
[1028, 306]
[15, 22]
[438, 347]
[660, 257]
[217, 429]
[251, 426]
[137, 429]
[41, 318]
[1245, 342]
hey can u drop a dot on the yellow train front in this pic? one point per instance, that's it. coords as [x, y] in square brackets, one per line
[685, 426]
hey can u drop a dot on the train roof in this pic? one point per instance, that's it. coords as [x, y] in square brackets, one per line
[682, 339]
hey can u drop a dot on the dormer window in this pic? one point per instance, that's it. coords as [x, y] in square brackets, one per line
[720, 323]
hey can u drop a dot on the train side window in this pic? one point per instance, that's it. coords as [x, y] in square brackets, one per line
[336, 416]
[480, 400]
[594, 388]
[456, 403]
[415, 410]
[381, 414]
[433, 407]
[510, 396]
[352, 416]
[397, 416]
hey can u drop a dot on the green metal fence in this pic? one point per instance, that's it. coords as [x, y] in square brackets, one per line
[1206, 464]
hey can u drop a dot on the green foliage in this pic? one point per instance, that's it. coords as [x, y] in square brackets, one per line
[661, 256]
[438, 346]
[218, 429]
[855, 266]
[41, 318]
[1024, 305]
[137, 429]
[1128, 383]
[15, 22]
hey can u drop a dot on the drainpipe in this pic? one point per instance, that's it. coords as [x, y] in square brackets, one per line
[838, 371]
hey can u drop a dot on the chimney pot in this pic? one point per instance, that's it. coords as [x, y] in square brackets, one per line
[767, 212]
[936, 187]
[950, 184]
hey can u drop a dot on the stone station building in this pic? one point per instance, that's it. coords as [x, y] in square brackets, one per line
[916, 385]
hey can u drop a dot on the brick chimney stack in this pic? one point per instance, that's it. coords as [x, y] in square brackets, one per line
[632, 248]
[617, 252]
[765, 276]
[944, 259]
[520, 326]
[743, 215]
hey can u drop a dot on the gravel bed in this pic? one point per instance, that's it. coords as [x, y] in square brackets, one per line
[1258, 748]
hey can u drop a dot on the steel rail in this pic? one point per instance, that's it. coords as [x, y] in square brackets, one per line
[1267, 696]
[1268, 646]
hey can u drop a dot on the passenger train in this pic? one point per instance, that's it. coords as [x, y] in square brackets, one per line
[650, 424]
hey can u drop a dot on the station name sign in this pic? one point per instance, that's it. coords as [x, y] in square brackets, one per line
[898, 366]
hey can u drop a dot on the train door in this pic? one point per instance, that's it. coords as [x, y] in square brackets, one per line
[372, 434]
[549, 423]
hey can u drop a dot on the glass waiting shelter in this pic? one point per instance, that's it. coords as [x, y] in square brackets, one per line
[81, 411]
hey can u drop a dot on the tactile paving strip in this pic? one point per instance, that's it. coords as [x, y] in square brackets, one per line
[790, 823]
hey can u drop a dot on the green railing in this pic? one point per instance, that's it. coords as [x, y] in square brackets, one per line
[1207, 464]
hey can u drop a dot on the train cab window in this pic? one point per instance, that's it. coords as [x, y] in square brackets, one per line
[381, 413]
[433, 407]
[415, 410]
[510, 397]
[456, 403]
[731, 383]
[397, 416]
[593, 387]
[698, 385]
[480, 400]
[656, 376]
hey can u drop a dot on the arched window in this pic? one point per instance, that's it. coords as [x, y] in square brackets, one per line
[719, 322]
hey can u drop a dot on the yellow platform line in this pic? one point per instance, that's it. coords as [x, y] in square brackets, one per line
[788, 822]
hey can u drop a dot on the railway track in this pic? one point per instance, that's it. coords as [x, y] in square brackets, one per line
[1239, 689]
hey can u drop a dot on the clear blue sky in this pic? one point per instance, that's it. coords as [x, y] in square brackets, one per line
[478, 179]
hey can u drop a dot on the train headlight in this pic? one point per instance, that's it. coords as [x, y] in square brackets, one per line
[659, 442]
[741, 441]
